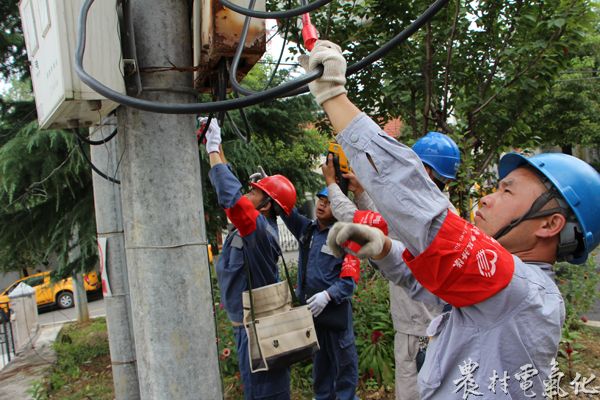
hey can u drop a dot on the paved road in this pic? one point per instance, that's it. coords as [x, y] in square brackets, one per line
[55, 316]
[17, 378]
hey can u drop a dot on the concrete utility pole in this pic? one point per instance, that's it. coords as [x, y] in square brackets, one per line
[165, 235]
[109, 224]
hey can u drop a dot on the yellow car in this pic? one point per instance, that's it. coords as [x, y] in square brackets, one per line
[58, 293]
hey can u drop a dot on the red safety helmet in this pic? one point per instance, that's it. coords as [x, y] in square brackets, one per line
[280, 189]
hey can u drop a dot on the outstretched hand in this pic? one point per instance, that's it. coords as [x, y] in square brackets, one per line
[212, 139]
[371, 240]
[331, 83]
[329, 170]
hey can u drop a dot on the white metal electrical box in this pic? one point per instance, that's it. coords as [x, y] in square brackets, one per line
[50, 28]
[217, 31]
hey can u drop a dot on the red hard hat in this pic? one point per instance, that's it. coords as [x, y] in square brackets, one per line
[280, 189]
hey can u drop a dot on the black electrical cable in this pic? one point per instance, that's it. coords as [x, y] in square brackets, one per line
[352, 69]
[294, 12]
[285, 35]
[291, 88]
[246, 124]
[246, 137]
[221, 88]
[222, 94]
[238, 55]
[96, 170]
[176, 108]
[236, 130]
[96, 142]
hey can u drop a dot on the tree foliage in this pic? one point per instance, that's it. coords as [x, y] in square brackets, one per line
[45, 192]
[45, 182]
[13, 61]
[475, 71]
[569, 112]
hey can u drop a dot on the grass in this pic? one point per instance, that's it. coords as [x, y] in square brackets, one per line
[83, 369]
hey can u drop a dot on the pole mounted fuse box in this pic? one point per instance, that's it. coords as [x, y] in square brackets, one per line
[50, 28]
[217, 31]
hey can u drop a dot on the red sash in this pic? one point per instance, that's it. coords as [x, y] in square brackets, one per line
[462, 266]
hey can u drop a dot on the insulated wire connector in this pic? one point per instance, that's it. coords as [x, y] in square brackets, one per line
[309, 33]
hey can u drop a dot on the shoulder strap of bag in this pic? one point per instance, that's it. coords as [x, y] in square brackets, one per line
[305, 248]
[239, 244]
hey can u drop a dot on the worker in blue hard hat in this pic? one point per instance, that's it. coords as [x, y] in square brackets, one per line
[440, 155]
[441, 158]
[328, 294]
[501, 337]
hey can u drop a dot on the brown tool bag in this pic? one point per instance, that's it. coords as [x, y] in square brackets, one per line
[279, 334]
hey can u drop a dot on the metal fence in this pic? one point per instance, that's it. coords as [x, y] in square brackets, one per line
[287, 241]
[7, 341]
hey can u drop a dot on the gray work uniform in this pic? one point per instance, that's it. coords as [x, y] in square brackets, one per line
[410, 317]
[516, 331]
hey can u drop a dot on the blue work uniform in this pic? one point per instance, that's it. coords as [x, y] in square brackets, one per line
[499, 347]
[255, 238]
[335, 365]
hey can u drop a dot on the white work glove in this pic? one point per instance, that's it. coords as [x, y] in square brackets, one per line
[257, 176]
[317, 303]
[371, 239]
[213, 135]
[332, 82]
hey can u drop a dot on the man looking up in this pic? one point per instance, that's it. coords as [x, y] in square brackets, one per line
[335, 365]
[507, 313]
[253, 246]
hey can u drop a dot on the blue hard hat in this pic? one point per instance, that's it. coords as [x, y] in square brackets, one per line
[323, 193]
[579, 185]
[440, 153]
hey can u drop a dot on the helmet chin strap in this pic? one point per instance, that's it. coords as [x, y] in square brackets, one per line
[276, 209]
[535, 211]
[438, 179]
[440, 185]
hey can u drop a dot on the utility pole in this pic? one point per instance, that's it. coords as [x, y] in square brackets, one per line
[109, 224]
[163, 218]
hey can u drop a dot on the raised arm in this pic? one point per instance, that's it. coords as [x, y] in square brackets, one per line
[342, 207]
[391, 173]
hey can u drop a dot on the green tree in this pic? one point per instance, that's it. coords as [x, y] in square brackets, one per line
[12, 44]
[569, 112]
[46, 196]
[46, 185]
[475, 71]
